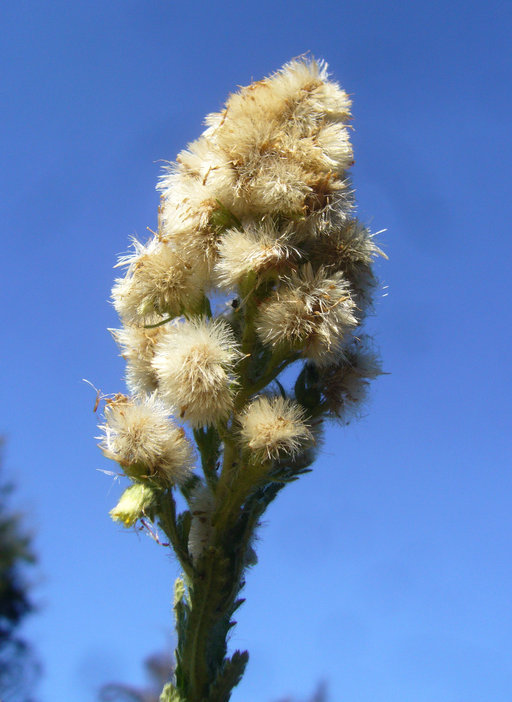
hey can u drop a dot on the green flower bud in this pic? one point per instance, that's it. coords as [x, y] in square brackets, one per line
[135, 502]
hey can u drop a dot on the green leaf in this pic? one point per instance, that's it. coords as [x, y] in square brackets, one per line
[181, 606]
[281, 389]
[188, 488]
[221, 218]
[183, 523]
[228, 677]
[307, 390]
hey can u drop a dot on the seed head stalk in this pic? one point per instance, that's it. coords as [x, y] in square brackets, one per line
[259, 266]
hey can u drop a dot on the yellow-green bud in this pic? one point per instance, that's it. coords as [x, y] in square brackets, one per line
[170, 694]
[134, 503]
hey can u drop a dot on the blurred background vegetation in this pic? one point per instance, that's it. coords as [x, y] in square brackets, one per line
[19, 668]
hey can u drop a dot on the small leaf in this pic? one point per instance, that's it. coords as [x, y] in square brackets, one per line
[281, 389]
[179, 591]
[183, 527]
[229, 676]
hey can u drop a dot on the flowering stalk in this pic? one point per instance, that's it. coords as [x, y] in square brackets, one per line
[257, 221]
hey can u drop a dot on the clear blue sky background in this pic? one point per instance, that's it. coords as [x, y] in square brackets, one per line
[387, 571]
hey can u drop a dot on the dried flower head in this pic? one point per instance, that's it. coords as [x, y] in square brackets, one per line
[187, 186]
[310, 312]
[187, 222]
[344, 385]
[273, 426]
[258, 248]
[160, 280]
[140, 436]
[194, 366]
[351, 248]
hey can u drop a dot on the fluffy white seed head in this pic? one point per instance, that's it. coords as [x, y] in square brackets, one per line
[310, 312]
[140, 436]
[341, 247]
[187, 223]
[259, 248]
[350, 248]
[203, 174]
[273, 427]
[137, 346]
[325, 212]
[345, 383]
[160, 280]
[194, 365]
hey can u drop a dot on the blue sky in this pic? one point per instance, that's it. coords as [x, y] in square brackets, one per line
[387, 571]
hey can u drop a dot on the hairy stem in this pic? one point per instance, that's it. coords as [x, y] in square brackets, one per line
[168, 522]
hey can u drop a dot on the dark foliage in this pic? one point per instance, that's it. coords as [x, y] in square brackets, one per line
[18, 668]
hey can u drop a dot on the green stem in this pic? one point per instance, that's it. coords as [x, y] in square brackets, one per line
[158, 324]
[208, 443]
[275, 367]
[168, 522]
[194, 652]
[213, 599]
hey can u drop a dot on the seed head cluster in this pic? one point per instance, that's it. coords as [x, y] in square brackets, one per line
[257, 222]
